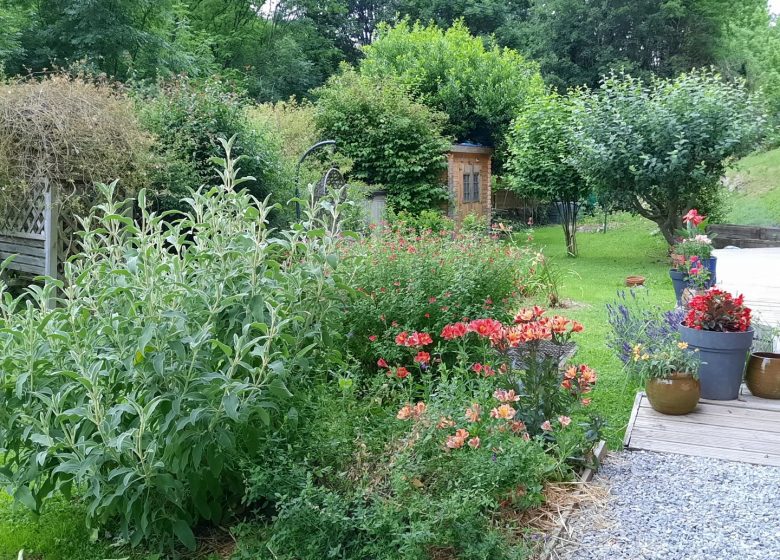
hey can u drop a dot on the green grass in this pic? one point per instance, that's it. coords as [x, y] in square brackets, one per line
[592, 280]
[756, 200]
[58, 534]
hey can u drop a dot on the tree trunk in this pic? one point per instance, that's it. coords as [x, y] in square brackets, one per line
[567, 210]
[669, 225]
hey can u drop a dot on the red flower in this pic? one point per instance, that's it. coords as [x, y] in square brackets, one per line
[416, 339]
[372, 338]
[693, 217]
[488, 328]
[455, 330]
[432, 300]
[401, 372]
[400, 339]
[381, 363]
[422, 357]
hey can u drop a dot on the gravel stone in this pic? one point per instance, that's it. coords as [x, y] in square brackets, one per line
[675, 507]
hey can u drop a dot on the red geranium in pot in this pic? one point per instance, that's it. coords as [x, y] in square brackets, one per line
[718, 325]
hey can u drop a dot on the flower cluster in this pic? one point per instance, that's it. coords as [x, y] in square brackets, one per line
[579, 380]
[692, 241]
[717, 310]
[411, 412]
[414, 340]
[529, 326]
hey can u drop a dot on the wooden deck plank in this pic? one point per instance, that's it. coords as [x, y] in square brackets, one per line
[706, 451]
[728, 430]
[712, 409]
[707, 430]
[697, 438]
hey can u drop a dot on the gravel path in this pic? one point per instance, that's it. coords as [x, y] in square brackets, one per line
[674, 507]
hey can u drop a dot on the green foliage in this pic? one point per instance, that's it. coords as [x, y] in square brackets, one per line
[360, 483]
[576, 42]
[539, 166]
[661, 148]
[187, 118]
[431, 221]
[409, 281]
[479, 87]
[393, 141]
[168, 354]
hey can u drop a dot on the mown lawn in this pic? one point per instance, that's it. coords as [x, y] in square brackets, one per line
[591, 281]
[756, 199]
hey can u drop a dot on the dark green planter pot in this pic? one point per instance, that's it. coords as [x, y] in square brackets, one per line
[723, 357]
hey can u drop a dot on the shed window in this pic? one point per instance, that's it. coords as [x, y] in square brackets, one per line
[471, 184]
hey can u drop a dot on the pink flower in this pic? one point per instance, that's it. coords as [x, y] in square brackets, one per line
[474, 442]
[564, 420]
[546, 426]
[381, 363]
[373, 338]
[473, 412]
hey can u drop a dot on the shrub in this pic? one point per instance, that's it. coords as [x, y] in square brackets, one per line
[72, 132]
[393, 141]
[187, 118]
[660, 148]
[405, 282]
[169, 353]
[431, 221]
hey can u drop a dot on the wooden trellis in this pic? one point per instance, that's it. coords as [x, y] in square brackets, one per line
[36, 233]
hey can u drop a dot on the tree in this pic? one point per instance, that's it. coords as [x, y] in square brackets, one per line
[539, 165]
[659, 148]
[481, 88]
[393, 140]
[578, 42]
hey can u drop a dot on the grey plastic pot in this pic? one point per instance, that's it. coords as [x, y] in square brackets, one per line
[723, 356]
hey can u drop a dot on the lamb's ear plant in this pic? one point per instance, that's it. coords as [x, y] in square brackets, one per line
[174, 345]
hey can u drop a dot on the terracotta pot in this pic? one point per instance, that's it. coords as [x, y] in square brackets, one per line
[676, 394]
[763, 375]
[632, 281]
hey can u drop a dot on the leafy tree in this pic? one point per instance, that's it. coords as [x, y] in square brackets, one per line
[578, 42]
[393, 140]
[659, 148]
[539, 165]
[479, 87]
[116, 36]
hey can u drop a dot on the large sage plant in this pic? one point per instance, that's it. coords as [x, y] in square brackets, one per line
[167, 350]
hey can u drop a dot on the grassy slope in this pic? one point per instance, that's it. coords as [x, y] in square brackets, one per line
[757, 201]
[605, 260]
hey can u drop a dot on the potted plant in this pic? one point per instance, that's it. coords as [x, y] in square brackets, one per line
[698, 280]
[671, 376]
[692, 242]
[718, 325]
[763, 375]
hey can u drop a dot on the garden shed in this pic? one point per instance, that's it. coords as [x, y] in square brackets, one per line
[469, 181]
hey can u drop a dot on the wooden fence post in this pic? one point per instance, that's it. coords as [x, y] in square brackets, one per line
[50, 229]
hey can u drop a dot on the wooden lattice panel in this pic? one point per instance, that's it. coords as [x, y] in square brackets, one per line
[28, 219]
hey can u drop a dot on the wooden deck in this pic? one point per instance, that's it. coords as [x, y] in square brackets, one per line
[745, 430]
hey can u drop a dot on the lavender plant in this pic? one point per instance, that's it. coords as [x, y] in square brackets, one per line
[634, 320]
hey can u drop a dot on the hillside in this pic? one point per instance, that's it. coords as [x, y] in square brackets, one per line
[755, 196]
